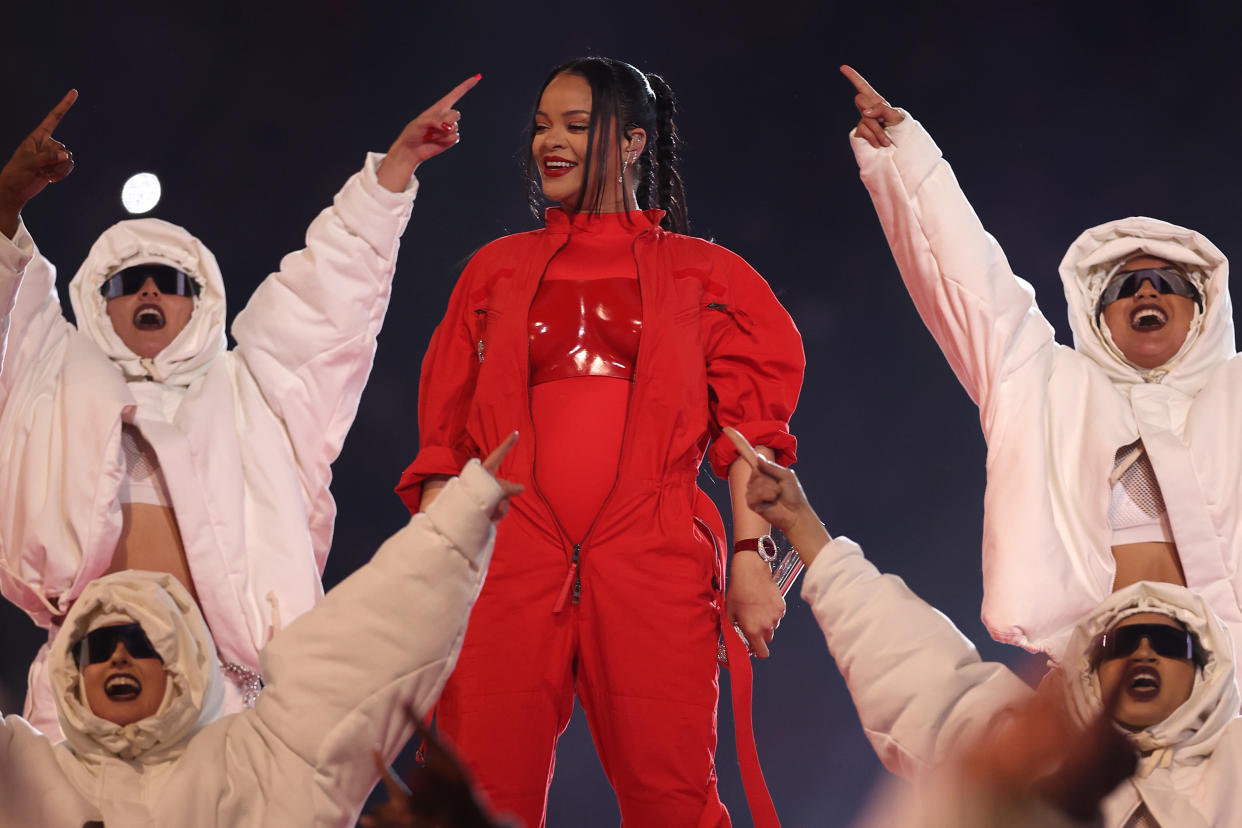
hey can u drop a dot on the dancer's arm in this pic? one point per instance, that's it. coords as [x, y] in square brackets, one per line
[29, 307]
[308, 334]
[919, 685]
[983, 316]
[35, 339]
[342, 677]
[38, 161]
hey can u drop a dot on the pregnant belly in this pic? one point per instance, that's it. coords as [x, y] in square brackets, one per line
[579, 424]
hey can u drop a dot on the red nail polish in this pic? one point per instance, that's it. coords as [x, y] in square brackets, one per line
[446, 126]
[478, 76]
[431, 134]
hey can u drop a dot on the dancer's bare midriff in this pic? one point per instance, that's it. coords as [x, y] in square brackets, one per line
[1147, 561]
[151, 539]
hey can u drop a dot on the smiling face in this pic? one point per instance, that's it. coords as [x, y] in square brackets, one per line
[559, 146]
[124, 689]
[1149, 327]
[1152, 686]
[148, 320]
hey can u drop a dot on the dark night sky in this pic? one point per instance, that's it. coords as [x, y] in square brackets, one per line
[1055, 118]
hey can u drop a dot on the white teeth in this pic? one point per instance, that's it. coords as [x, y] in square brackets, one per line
[559, 164]
[1148, 318]
[122, 685]
[1144, 679]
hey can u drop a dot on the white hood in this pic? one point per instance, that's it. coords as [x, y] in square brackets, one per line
[152, 241]
[1191, 732]
[170, 618]
[1091, 259]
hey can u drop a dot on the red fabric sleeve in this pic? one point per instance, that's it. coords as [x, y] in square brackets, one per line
[445, 392]
[755, 365]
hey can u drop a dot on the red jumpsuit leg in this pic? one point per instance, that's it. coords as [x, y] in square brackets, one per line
[511, 694]
[647, 681]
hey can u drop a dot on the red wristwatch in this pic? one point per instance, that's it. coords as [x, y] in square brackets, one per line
[764, 545]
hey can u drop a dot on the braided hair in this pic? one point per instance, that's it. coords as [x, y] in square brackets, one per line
[623, 99]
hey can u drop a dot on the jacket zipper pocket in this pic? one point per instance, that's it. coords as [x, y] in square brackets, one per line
[736, 314]
[481, 315]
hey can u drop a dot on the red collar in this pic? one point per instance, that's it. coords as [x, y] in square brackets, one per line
[632, 223]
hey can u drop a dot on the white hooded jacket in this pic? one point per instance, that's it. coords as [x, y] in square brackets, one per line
[245, 437]
[922, 693]
[1054, 416]
[343, 681]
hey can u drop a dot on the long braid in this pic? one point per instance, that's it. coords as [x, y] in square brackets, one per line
[671, 191]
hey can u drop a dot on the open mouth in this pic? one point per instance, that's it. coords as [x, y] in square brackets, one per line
[123, 687]
[1142, 683]
[554, 166]
[149, 318]
[1148, 318]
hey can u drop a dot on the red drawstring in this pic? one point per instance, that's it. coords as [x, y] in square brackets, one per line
[758, 799]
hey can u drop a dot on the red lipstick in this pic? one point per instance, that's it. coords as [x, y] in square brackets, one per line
[557, 171]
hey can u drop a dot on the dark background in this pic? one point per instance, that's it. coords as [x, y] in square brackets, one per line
[1057, 117]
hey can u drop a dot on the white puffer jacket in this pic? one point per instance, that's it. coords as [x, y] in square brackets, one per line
[342, 682]
[922, 692]
[1054, 416]
[245, 437]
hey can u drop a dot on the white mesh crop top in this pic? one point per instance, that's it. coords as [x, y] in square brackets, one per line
[1136, 511]
[144, 480]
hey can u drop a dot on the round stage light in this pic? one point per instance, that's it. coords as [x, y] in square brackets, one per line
[141, 192]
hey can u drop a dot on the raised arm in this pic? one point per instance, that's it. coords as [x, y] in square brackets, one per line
[38, 161]
[342, 676]
[308, 334]
[425, 137]
[919, 686]
[983, 317]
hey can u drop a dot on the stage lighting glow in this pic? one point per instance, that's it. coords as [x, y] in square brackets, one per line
[141, 192]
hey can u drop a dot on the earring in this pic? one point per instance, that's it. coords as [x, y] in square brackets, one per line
[625, 164]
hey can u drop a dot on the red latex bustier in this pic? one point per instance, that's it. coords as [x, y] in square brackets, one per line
[585, 328]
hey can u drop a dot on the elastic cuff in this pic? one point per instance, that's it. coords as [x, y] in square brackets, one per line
[371, 211]
[16, 253]
[916, 153]
[370, 183]
[770, 434]
[834, 550]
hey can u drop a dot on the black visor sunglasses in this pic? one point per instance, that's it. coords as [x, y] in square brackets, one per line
[1126, 283]
[1170, 642]
[98, 645]
[168, 280]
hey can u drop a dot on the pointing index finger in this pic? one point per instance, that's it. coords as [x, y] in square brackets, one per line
[492, 463]
[860, 83]
[53, 118]
[744, 449]
[460, 89]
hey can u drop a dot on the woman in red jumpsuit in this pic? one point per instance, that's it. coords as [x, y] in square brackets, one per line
[618, 349]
